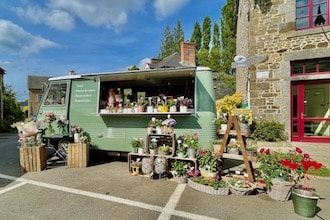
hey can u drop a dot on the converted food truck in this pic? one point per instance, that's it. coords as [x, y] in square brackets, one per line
[83, 100]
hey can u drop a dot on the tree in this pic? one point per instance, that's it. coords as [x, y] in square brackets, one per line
[133, 68]
[206, 33]
[228, 35]
[196, 37]
[171, 40]
[166, 47]
[178, 36]
[11, 110]
[214, 57]
[203, 57]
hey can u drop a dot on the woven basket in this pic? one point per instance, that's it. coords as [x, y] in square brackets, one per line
[280, 190]
[208, 189]
[240, 191]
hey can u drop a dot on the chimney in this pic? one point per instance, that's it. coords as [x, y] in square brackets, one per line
[154, 61]
[188, 54]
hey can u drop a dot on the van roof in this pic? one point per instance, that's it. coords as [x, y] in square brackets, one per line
[134, 74]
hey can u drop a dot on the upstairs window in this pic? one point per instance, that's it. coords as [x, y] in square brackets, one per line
[312, 13]
[309, 67]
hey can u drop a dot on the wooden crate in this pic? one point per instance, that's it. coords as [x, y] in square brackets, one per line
[78, 155]
[32, 159]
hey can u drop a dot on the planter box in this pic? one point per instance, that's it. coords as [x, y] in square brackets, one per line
[32, 159]
[78, 155]
[208, 189]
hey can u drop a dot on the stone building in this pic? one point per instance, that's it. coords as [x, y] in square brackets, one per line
[286, 75]
[35, 87]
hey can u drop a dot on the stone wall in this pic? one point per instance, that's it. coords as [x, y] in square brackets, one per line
[272, 34]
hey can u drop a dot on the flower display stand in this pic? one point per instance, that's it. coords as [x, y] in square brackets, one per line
[32, 159]
[233, 122]
[78, 155]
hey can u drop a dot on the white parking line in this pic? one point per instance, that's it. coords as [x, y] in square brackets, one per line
[12, 187]
[166, 212]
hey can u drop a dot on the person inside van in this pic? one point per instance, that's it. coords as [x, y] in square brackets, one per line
[110, 101]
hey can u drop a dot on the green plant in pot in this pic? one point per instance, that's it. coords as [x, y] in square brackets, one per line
[179, 168]
[216, 143]
[163, 149]
[270, 131]
[137, 143]
[208, 163]
[181, 149]
[251, 150]
[304, 198]
[153, 146]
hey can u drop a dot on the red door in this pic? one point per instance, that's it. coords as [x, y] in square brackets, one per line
[310, 111]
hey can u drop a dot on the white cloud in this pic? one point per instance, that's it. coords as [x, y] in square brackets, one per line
[60, 14]
[15, 40]
[166, 8]
[143, 63]
[56, 19]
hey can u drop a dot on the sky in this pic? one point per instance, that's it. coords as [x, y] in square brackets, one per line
[53, 37]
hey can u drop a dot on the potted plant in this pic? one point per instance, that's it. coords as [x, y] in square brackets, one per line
[304, 198]
[221, 121]
[278, 178]
[251, 151]
[184, 103]
[172, 103]
[190, 141]
[233, 146]
[228, 103]
[168, 125]
[216, 143]
[153, 146]
[163, 150]
[138, 145]
[179, 171]
[76, 130]
[141, 103]
[239, 185]
[49, 118]
[163, 105]
[208, 163]
[181, 150]
[155, 126]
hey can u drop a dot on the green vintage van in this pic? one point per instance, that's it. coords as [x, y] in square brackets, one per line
[82, 98]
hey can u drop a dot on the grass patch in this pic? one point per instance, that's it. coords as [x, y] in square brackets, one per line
[323, 171]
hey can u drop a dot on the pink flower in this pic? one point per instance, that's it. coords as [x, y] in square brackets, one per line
[306, 155]
[298, 150]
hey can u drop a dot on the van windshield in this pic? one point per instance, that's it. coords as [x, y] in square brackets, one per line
[56, 94]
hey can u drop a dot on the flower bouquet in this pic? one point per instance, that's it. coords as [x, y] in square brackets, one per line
[62, 124]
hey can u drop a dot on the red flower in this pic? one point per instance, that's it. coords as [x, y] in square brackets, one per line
[307, 164]
[317, 165]
[307, 156]
[261, 181]
[289, 164]
[261, 150]
[267, 151]
[298, 150]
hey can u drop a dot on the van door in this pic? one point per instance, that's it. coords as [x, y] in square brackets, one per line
[55, 100]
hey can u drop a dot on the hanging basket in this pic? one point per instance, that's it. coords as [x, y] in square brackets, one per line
[280, 190]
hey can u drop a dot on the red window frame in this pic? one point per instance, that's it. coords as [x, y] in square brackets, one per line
[307, 12]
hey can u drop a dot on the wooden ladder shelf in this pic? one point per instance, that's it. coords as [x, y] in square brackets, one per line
[233, 122]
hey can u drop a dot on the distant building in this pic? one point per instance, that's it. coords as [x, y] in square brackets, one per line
[35, 87]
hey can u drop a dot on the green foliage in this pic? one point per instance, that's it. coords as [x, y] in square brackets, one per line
[271, 131]
[271, 167]
[203, 57]
[11, 110]
[170, 42]
[323, 171]
[134, 68]
[206, 32]
[228, 80]
[196, 37]
[180, 167]
[207, 160]
[228, 34]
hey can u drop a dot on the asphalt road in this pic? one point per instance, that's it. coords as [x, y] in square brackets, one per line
[108, 191]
